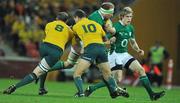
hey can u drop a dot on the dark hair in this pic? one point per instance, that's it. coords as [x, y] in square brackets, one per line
[107, 5]
[79, 13]
[70, 22]
[62, 16]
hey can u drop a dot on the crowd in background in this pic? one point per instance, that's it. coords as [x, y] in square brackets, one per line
[22, 22]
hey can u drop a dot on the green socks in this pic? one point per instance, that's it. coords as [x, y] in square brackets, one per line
[26, 80]
[111, 84]
[79, 84]
[146, 84]
[59, 65]
[97, 86]
[42, 80]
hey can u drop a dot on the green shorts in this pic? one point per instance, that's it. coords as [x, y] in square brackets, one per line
[50, 52]
[95, 53]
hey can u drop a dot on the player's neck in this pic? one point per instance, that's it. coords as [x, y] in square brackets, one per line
[122, 23]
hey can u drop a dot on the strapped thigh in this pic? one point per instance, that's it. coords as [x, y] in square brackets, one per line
[44, 65]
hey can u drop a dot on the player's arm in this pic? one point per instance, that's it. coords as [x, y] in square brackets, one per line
[105, 39]
[109, 27]
[135, 46]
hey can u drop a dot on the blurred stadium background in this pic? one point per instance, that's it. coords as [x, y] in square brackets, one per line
[22, 23]
[21, 29]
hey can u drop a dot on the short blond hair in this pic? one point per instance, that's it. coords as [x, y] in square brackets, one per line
[125, 11]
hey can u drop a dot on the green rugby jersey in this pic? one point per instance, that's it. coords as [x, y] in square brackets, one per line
[95, 16]
[123, 34]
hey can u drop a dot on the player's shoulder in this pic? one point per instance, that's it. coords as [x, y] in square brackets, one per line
[116, 23]
[92, 15]
[131, 26]
[95, 23]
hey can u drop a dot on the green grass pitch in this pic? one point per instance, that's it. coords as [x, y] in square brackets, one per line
[62, 92]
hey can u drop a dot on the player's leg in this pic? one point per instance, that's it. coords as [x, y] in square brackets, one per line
[104, 66]
[59, 65]
[136, 66]
[51, 59]
[55, 54]
[28, 78]
[79, 70]
[50, 55]
[69, 63]
[117, 74]
[89, 56]
[110, 82]
[42, 89]
[72, 59]
[114, 68]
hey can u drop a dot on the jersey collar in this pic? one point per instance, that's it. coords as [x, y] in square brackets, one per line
[121, 23]
[100, 14]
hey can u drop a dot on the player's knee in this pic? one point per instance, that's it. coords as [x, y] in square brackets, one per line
[37, 71]
[141, 71]
[106, 71]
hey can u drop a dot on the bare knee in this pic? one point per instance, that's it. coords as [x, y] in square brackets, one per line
[136, 67]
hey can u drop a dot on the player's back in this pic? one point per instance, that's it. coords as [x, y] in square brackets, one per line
[57, 33]
[89, 31]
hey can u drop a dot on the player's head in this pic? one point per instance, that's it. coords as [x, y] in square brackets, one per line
[62, 16]
[70, 22]
[107, 10]
[126, 15]
[79, 14]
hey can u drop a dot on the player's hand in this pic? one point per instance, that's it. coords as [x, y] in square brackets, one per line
[112, 40]
[141, 52]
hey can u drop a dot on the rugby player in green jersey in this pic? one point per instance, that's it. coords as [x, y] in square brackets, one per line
[120, 58]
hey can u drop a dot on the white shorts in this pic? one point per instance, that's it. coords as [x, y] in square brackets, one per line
[119, 59]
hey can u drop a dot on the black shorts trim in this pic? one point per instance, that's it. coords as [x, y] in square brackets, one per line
[117, 67]
[129, 62]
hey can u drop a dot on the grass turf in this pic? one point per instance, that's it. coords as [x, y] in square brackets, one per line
[62, 92]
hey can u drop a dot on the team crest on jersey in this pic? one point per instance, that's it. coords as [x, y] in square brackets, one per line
[125, 33]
